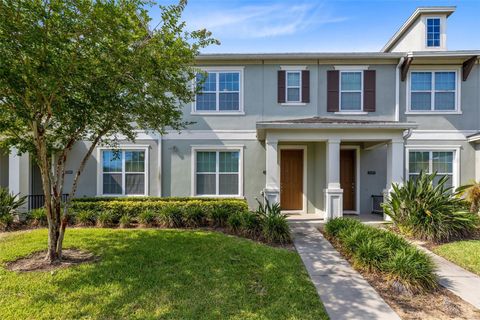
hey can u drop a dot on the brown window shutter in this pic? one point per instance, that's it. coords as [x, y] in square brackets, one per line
[369, 90]
[306, 86]
[281, 86]
[333, 90]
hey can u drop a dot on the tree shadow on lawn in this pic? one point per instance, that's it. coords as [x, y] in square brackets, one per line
[184, 274]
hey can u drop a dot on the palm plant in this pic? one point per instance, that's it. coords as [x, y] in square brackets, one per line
[471, 194]
[9, 204]
[429, 211]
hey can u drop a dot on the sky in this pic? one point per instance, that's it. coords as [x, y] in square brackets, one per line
[318, 26]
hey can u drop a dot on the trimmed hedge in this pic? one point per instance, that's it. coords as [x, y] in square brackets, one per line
[377, 250]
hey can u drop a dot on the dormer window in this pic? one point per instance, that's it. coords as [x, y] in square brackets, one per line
[433, 32]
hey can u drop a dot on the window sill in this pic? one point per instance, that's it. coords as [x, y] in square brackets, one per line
[432, 112]
[293, 104]
[351, 113]
[219, 113]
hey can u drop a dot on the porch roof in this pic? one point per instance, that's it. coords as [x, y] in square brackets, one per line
[331, 123]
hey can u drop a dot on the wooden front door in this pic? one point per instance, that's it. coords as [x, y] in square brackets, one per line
[291, 179]
[347, 178]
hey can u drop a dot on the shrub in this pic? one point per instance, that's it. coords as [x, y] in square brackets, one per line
[374, 249]
[9, 204]
[105, 219]
[85, 218]
[235, 222]
[412, 268]
[147, 218]
[335, 226]
[218, 217]
[194, 216]
[275, 229]
[38, 217]
[429, 211]
[252, 224]
[125, 221]
[471, 194]
[171, 217]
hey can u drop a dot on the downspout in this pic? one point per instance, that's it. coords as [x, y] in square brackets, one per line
[397, 89]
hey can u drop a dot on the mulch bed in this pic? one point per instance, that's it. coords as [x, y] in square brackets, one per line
[36, 261]
[440, 304]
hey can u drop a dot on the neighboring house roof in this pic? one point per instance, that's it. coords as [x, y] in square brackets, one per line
[332, 123]
[448, 10]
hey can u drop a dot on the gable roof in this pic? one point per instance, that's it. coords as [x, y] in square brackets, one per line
[448, 10]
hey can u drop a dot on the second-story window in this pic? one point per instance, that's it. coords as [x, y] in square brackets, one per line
[294, 86]
[351, 91]
[433, 32]
[220, 92]
[433, 91]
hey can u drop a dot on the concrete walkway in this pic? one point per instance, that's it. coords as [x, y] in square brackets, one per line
[343, 291]
[461, 282]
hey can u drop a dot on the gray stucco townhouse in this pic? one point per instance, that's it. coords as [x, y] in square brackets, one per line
[318, 132]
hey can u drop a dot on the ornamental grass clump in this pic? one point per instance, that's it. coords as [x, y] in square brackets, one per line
[194, 216]
[427, 209]
[37, 217]
[9, 205]
[147, 218]
[375, 250]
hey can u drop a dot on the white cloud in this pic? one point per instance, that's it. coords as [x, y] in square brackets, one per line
[259, 21]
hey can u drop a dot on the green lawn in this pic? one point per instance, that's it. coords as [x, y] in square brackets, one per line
[464, 253]
[151, 274]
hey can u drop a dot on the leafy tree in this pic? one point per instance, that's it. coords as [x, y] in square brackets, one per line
[88, 70]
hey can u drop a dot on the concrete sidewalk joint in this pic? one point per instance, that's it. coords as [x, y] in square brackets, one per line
[343, 291]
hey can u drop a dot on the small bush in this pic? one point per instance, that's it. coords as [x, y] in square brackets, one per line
[85, 218]
[252, 224]
[194, 216]
[275, 229]
[38, 217]
[147, 218]
[412, 268]
[374, 249]
[105, 219]
[125, 221]
[9, 204]
[235, 222]
[218, 217]
[171, 217]
[5, 221]
[430, 211]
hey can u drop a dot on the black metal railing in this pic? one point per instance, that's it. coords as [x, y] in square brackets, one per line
[377, 200]
[36, 201]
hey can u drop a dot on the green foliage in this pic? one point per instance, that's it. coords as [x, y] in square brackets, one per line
[38, 217]
[125, 221]
[194, 216]
[86, 218]
[374, 249]
[471, 194]
[171, 216]
[235, 222]
[147, 217]
[9, 204]
[275, 229]
[429, 211]
[105, 218]
[412, 268]
[218, 217]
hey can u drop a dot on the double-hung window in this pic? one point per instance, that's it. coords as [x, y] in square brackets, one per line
[123, 172]
[351, 90]
[433, 91]
[442, 162]
[433, 32]
[217, 172]
[293, 86]
[220, 91]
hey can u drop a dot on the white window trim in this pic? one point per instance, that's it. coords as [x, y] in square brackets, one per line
[217, 112]
[443, 32]
[295, 102]
[360, 111]
[430, 148]
[458, 94]
[293, 68]
[216, 148]
[122, 148]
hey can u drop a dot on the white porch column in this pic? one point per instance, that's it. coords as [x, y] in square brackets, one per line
[333, 193]
[272, 186]
[395, 167]
[19, 174]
